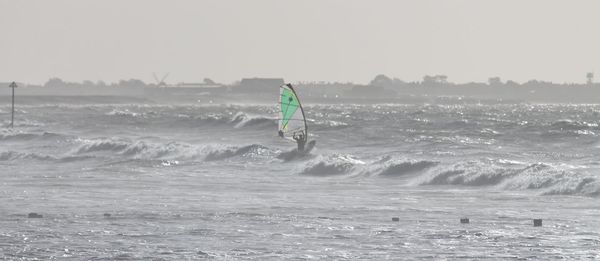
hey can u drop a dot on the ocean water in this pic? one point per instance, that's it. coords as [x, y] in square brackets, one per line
[188, 182]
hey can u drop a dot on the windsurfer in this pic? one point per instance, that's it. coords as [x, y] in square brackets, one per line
[300, 138]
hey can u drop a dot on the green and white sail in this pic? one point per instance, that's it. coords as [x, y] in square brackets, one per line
[291, 116]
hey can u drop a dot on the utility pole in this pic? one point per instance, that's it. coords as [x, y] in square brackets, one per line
[13, 85]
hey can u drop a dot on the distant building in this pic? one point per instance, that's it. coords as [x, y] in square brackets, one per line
[255, 85]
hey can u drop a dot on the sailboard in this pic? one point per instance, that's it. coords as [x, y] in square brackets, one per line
[292, 120]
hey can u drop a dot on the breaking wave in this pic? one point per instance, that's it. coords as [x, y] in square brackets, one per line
[123, 112]
[17, 136]
[546, 178]
[396, 169]
[329, 125]
[23, 123]
[572, 125]
[331, 165]
[244, 120]
[14, 155]
[237, 120]
[472, 173]
[10, 135]
[253, 150]
[543, 178]
[102, 145]
[579, 186]
[138, 149]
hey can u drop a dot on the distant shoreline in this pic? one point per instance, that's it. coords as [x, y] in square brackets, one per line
[323, 93]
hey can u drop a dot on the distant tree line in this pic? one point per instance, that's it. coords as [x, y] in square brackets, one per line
[57, 82]
[442, 80]
[380, 80]
[131, 83]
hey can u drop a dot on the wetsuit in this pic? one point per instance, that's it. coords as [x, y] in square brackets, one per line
[301, 141]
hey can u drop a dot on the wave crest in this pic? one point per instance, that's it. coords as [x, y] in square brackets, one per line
[572, 125]
[546, 178]
[24, 136]
[138, 149]
[244, 120]
[123, 113]
[396, 169]
[332, 165]
[246, 151]
[479, 173]
[14, 155]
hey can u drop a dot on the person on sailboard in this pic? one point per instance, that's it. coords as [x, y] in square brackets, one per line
[300, 138]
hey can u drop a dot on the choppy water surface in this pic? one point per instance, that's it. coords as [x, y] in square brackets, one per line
[201, 182]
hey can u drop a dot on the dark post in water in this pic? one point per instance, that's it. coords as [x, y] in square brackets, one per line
[13, 85]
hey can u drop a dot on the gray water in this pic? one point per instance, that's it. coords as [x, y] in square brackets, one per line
[207, 182]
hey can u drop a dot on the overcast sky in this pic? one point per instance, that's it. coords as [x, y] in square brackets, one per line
[302, 40]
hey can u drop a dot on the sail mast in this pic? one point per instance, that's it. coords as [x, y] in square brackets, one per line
[301, 110]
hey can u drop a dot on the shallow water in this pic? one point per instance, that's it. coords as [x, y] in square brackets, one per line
[199, 182]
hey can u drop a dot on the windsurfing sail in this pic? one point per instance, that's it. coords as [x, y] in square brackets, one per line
[291, 116]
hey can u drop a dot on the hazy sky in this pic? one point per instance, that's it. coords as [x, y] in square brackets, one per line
[343, 40]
